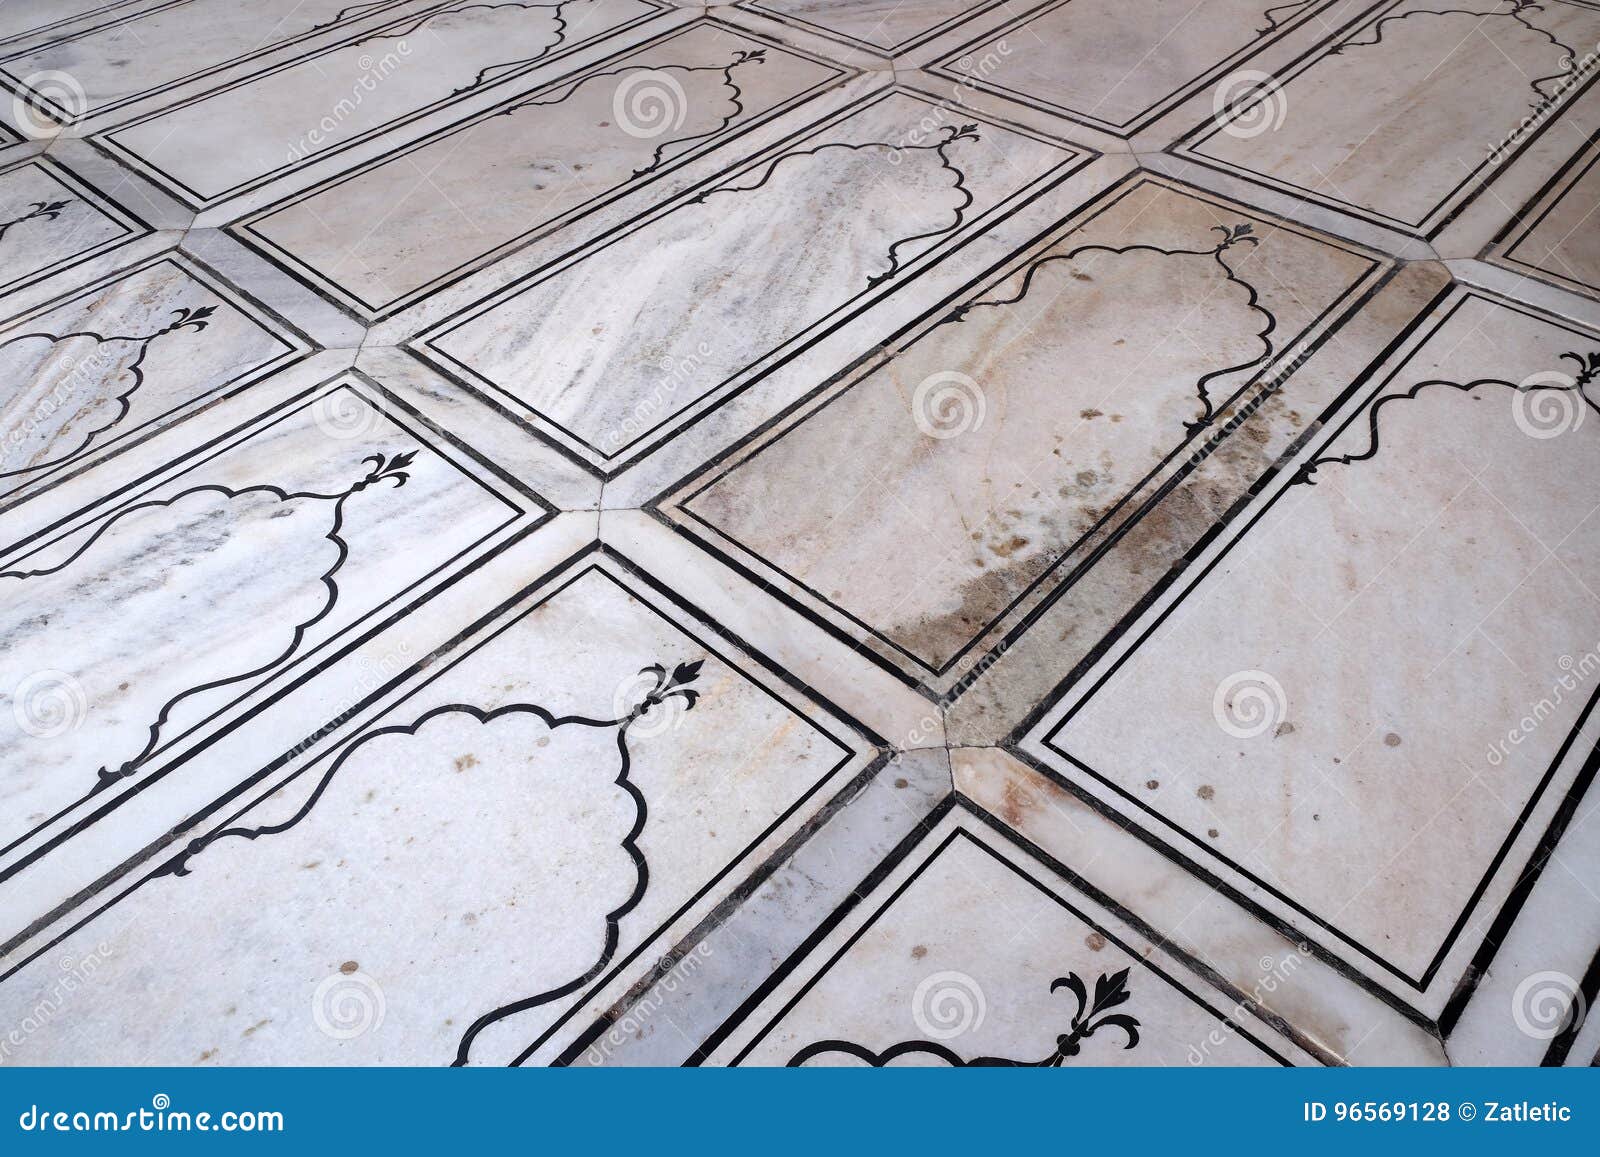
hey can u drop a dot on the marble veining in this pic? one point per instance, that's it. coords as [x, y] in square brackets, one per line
[802, 533]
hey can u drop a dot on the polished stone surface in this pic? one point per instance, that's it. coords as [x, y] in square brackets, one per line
[799, 532]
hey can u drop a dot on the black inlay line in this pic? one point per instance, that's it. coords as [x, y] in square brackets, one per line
[711, 538]
[84, 15]
[816, 698]
[1195, 964]
[247, 230]
[1582, 1007]
[915, 40]
[80, 191]
[1258, 39]
[541, 591]
[1503, 249]
[107, 141]
[1519, 894]
[425, 347]
[1110, 991]
[439, 447]
[1188, 147]
[1589, 365]
[187, 317]
[296, 347]
[66, 116]
[1515, 12]
[959, 831]
[1049, 740]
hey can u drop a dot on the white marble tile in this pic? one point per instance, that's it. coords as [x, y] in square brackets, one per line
[1372, 703]
[348, 91]
[122, 358]
[595, 766]
[811, 231]
[928, 504]
[140, 618]
[29, 18]
[127, 56]
[968, 952]
[50, 220]
[651, 532]
[1405, 117]
[876, 25]
[384, 236]
[1086, 61]
[1556, 238]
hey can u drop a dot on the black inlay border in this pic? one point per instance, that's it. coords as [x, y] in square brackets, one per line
[934, 681]
[855, 744]
[76, 189]
[1437, 218]
[65, 20]
[525, 509]
[14, 84]
[963, 233]
[107, 141]
[916, 40]
[1502, 251]
[960, 829]
[367, 312]
[1152, 112]
[297, 347]
[1169, 838]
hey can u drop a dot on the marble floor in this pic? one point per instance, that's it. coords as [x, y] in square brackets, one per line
[799, 532]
